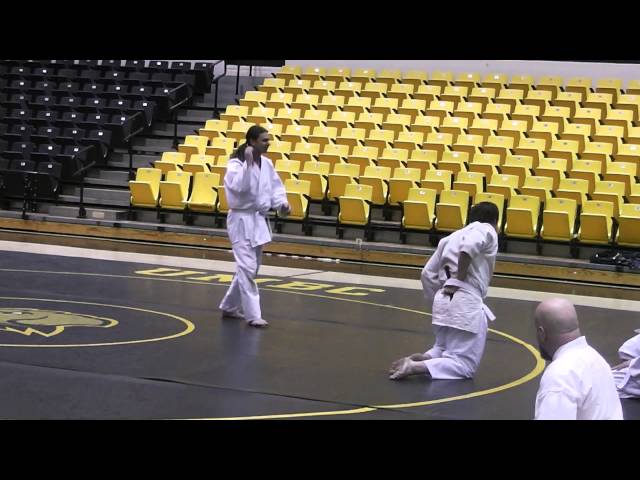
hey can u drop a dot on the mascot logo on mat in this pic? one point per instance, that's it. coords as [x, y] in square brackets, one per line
[47, 323]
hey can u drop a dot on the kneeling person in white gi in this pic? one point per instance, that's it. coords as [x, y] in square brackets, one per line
[627, 374]
[455, 281]
[252, 187]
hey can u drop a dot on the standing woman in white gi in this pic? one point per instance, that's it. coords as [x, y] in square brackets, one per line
[253, 188]
[455, 281]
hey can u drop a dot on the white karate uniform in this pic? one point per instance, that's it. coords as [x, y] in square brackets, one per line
[577, 385]
[251, 193]
[460, 323]
[628, 379]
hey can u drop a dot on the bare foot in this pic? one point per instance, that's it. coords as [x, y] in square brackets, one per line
[260, 323]
[403, 370]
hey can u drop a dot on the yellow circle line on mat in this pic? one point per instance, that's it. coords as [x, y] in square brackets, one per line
[535, 371]
[190, 327]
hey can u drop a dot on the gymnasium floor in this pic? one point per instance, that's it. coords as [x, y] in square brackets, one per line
[134, 333]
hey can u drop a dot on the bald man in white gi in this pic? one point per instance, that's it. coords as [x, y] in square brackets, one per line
[577, 384]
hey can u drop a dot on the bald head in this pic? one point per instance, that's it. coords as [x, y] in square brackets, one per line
[557, 316]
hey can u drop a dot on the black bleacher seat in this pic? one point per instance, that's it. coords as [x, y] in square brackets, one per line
[134, 64]
[45, 134]
[20, 149]
[60, 63]
[69, 73]
[44, 101]
[115, 90]
[18, 85]
[90, 89]
[18, 71]
[158, 65]
[88, 74]
[46, 116]
[50, 149]
[140, 76]
[94, 104]
[45, 85]
[147, 107]
[22, 164]
[204, 76]
[4, 163]
[110, 65]
[73, 133]
[17, 115]
[85, 64]
[116, 75]
[124, 126]
[70, 118]
[101, 138]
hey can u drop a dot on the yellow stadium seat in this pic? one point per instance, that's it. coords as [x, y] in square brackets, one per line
[610, 191]
[214, 128]
[196, 144]
[199, 164]
[452, 210]
[418, 209]
[438, 180]
[485, 163]
[505, 185]
[522, 216]
[596, 222]
[174, 190]
[254, 98]
[363, 156]
[393, 158]
[416, 78]
[287, 169]
[574, 188]
[558, 219]
[316, 173]
[305, 152]
[629, 225]
[204, 195]
[272, 85]
[401, 181]
[145, 188]
[378, 178]
[472, 182]
[355, 208]
[342, 175]
[334, 154]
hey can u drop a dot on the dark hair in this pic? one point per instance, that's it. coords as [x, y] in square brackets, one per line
[485, 212]
[253, 133]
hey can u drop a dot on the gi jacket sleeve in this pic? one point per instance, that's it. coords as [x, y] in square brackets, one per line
[238, 177]
[431, 282]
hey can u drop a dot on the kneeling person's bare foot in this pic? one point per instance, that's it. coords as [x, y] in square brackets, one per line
[407, 367]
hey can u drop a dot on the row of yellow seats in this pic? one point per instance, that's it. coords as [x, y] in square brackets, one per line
[450, 212]
[207, 195]
[301, 94]
[306, 107]
[390, 185]
[522, 217]
[606, 140]
[582, 130]
[419, 77]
